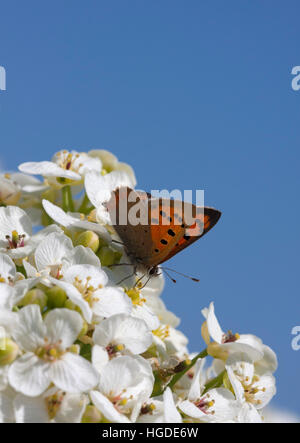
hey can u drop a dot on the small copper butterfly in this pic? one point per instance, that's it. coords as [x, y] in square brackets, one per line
[166, 231]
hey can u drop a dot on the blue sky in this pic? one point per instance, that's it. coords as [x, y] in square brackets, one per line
[195, 95]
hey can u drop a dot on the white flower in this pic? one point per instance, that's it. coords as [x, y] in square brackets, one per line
[87, 287]
[230, 343]
[54, 406]
[216, 405]
[111, 163]
[10, 192]
[16, 238]
[126, 383]
[122, 333]
[160, 411]
[99, 188]
[256, 390]
[69, 165]
[74, 221]
[47, 358]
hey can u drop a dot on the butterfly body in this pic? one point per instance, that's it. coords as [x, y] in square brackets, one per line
[162, 232]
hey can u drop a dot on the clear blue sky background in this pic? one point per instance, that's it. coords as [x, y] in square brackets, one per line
[194, 94]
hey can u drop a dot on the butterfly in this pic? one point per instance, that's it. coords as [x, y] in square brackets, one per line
[163, 233]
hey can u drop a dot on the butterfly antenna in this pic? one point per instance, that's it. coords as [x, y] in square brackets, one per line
[168, 275]
[180, 273]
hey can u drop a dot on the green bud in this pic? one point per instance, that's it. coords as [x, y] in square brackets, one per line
[88, 239]
[70, 305]
[106, 256]
[118, 256]
[91, 415]
[8, 352]
[35, 297]
[56, 297]
[46, 220]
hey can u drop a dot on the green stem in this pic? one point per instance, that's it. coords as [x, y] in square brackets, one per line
[84, 207]
[67, 199]
[178, 376]
[214, 383]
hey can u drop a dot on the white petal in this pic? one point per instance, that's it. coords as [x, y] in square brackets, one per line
[266, 390]
[124, 329]
[29, 375]
[63, 325]
[71, 408]
[75, 296]
[145, 314]
[236, 385]
[111, 301]
[214, 328]
[99, 357]
[31, 410]
[84, 256]
[7, 267]
[197, 383]
[30, 331]
[88, 274]
[6, 296]
[188, 408]
[73, 374]
[71, 222]
[52, 250]
[48, 169]
[107, 409]
[13, 218]
[99, 187]
[248, 414]
[171, 415]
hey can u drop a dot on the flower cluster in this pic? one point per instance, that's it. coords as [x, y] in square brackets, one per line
[82, 338]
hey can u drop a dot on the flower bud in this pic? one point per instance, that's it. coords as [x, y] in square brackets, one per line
[118, 256]
[106, 256]
[8, 352]
[70, 305]
[216, 351]
[56, 297]
[91, 415]
[10, 192]
[35, 297]
[88, 239]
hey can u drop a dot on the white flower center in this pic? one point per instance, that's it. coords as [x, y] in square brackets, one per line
[15, 240]
[53, 403]
[205, 404]
[86, 289]
[68, 161]
[50, 352]
[251, 390]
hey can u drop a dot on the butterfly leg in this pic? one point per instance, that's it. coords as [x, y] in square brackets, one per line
[128, 276]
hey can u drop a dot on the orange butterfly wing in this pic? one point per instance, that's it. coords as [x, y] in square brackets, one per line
[166, 232]
[205, 220]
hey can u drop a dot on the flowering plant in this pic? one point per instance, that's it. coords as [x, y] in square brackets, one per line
[82, 342]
